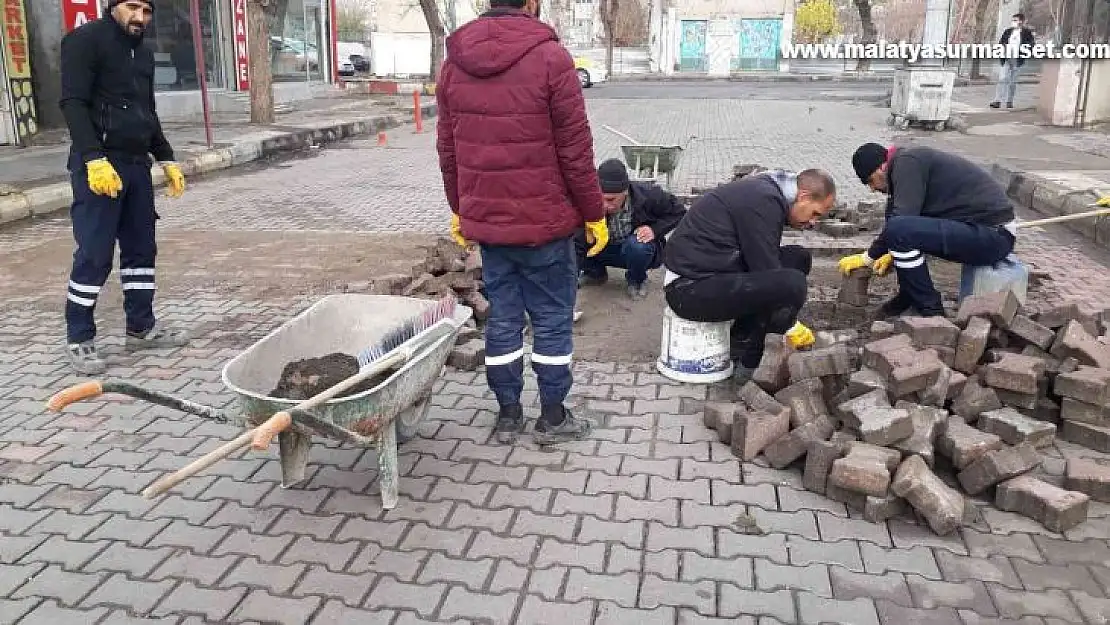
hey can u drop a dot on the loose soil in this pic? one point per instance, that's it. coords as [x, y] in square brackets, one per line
[304, 379]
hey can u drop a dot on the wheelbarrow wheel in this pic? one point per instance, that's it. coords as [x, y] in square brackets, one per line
[407, 423]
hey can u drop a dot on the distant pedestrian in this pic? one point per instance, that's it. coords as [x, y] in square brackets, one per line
[1019, 43]
[108, 104]
[516, 153]
[639, 215]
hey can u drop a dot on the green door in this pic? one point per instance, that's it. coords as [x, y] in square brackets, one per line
[691, 48]
[759, 45]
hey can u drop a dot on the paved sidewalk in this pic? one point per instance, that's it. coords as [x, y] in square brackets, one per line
[34, 180]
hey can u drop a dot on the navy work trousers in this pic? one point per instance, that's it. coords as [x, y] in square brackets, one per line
[911, 238]
[98, 222]
[629, 254]
[758, 303]
[542, 282]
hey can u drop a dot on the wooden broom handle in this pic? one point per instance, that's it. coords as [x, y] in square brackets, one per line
[1073, 216]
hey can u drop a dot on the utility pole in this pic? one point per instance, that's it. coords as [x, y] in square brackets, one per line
[452, 16]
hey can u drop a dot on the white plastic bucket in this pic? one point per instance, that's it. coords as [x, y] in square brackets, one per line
[693, 352]
[1009, 273]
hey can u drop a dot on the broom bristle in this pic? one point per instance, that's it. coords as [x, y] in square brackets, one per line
[394, 338]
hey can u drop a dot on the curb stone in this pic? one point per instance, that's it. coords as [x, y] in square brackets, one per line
[1052, 199]
[17, 205]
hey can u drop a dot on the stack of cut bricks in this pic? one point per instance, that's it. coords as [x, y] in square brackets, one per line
[447, 269]
[929, 413]
[848, 222]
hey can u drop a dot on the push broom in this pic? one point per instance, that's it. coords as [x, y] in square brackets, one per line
[395, 348]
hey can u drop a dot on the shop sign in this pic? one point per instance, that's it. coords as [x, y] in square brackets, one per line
[242, 58]
[18, 55]
[77, 12]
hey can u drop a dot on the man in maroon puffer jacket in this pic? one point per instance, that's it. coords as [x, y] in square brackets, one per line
[516, 153]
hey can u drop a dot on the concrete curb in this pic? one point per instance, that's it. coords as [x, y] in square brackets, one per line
[1052, 199]
[49, 198]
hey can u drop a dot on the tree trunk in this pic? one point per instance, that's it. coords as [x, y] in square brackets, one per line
[258, 53]
[436, 30]
[978, 27]
[868, 27]
[609, 10]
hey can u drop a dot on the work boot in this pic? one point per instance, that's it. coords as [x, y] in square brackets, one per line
[1009, 105]
[894, 306]
[510, 423]
[637, 291]
[557, 425]
[995, 105]
[157, 337]
[85, 359]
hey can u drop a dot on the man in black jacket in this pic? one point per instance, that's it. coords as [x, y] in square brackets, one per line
[725, 260]
[108, 104]
[940, 205]
[1018, 41]
[639, 215]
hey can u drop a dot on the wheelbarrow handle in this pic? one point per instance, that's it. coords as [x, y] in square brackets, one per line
[198, 465]
[74, 394]
[94, 389]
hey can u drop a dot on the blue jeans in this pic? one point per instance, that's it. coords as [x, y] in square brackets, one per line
[910, 239]
[542, 282]
[634, 257]
[98, 222]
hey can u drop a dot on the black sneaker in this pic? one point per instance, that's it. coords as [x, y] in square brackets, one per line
[571, 428]
[510, 423]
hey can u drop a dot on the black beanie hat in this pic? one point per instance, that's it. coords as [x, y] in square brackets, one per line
[613, 176]
[111, 4]
[868, 158]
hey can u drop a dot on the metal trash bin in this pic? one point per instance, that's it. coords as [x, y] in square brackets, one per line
[921, 95]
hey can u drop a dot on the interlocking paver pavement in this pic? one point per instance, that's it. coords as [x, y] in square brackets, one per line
[639, 524]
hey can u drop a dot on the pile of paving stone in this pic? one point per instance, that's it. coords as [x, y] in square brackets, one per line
[447, 269]
[849, 222]
[925, 413]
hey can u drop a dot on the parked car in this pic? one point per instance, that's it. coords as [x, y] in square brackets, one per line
[360, 63]
[346, 68]
[589, 73]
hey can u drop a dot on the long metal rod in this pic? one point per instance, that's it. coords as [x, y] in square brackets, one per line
[202, 77]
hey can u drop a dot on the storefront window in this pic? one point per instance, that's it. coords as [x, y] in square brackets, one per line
[297, 50]
[171, 38]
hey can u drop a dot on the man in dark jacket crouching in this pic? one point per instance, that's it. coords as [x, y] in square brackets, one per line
[725, 260]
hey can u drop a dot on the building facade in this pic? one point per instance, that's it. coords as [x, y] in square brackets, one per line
[302, 52]
[720, 37]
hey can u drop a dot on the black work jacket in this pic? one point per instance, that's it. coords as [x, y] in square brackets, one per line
[108, 94]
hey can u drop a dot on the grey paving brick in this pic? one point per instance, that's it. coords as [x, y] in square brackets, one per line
[402, 565]
[845, 553]
[235, 515]
[802, 523]
[12, 548]
[334, 556]
[68, 588]
[813, 578]
[195, 538]
[335, 613]
[556, 553]
[1093, 608]
[620, 589]
[814, 609]
[50, 612]
[982, 545]
[227, 489]
[318, 526]
[630, 509]
[604, 464]
[419, 598]
[895, 614]
[384, 533]
[850, 585]
[656, 592]
[791, 500]
[994, 569]
[599, 506]
[204, 570]
[422, 536]
[121, 617]
[472, 574]
[1049, 604]
[278, 578]
[136, 595]
[261, 606]
[318, 581]
[468, 516]
[15, 521]
[756, 474]
[834, 528]
[529, 523]
[511, 577]
[543, 611]
[535, 500]
[918, 560]
[519, 550]
[23, 495]
[70, 555]
[906, 535]
[736, 571]
[970, 595]
[120, 557]
[629, 532]
[461, 603]
[660, 537]
[697, 490]
[771, 546]
[1062, 552]
[667, 468]
[73, 500]
[13, 576]
[634, 486]
[134, 532]
[738, 601]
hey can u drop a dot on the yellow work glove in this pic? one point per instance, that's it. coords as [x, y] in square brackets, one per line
[597, 234]
[800, 336]
[456, 231]
[175, 180]
[882, 266]
[1103, 202]
[103, 179]
[848, 264]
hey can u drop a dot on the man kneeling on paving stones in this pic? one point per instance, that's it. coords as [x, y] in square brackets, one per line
[639, 215]
[725, 261]
[939, 204]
